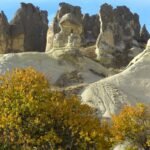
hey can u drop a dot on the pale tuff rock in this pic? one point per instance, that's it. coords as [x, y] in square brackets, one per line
[120, 31]
[90, 24]
[68, 40]
[124, 146]
[131, 86]
[55, 28]
[148, 45]
[26, 32]
[60, 72]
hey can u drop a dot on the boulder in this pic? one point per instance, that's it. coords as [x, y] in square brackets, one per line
[129, 87]
[120, 31]
[26, 32]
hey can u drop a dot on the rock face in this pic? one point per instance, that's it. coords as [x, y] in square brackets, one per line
[144, 34]
[128, 87]
[26, 32]
[4, 33]
[55, 28]
[65, 9]
[91, 28]
[134, 51]
[75, 71]
[90, 24]
[120, 31]
[68, 40]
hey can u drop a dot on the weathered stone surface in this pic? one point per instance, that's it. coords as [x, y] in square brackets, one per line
[72, 74]
[91, 28]
[144, 34]
[26, 32]
[68, 40]
[30, 25]
[4, 33]
[64, 9]
[67, 79]
[88, 51]
[134, 51]
[90, 24]
[124, 146]
[128, 87]
[120, 31]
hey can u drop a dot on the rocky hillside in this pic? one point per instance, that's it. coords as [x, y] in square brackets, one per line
[69, 72]
[128, 87]
[69, 61]
[116, 32]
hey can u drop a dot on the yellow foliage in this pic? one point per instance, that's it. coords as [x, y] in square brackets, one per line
[133, 124]
[34, 116]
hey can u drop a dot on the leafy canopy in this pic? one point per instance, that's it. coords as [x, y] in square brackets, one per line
[34, 116]
[133, 124]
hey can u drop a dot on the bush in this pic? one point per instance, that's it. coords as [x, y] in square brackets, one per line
[133, 125]
[34, 116]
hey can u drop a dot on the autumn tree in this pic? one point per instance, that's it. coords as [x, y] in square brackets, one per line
[133, 125]
[34, 116]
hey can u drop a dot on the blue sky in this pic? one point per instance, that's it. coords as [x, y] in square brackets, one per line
[142, 7]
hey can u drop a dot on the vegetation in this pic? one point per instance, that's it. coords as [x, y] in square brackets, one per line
[34, 116]
[133, 125]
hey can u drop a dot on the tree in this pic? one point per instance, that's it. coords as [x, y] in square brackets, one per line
[34, 116]
[133, 125]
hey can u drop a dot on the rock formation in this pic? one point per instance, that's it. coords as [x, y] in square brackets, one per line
[116, 45]
[144, 34]
[55, 25]
[128, 87]
[133, 52]
[4, 34]
[90, 24]
[68, 40]
[26, 32]
[120, 31]
[91, 28]
[74, 72]
[65, 9]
